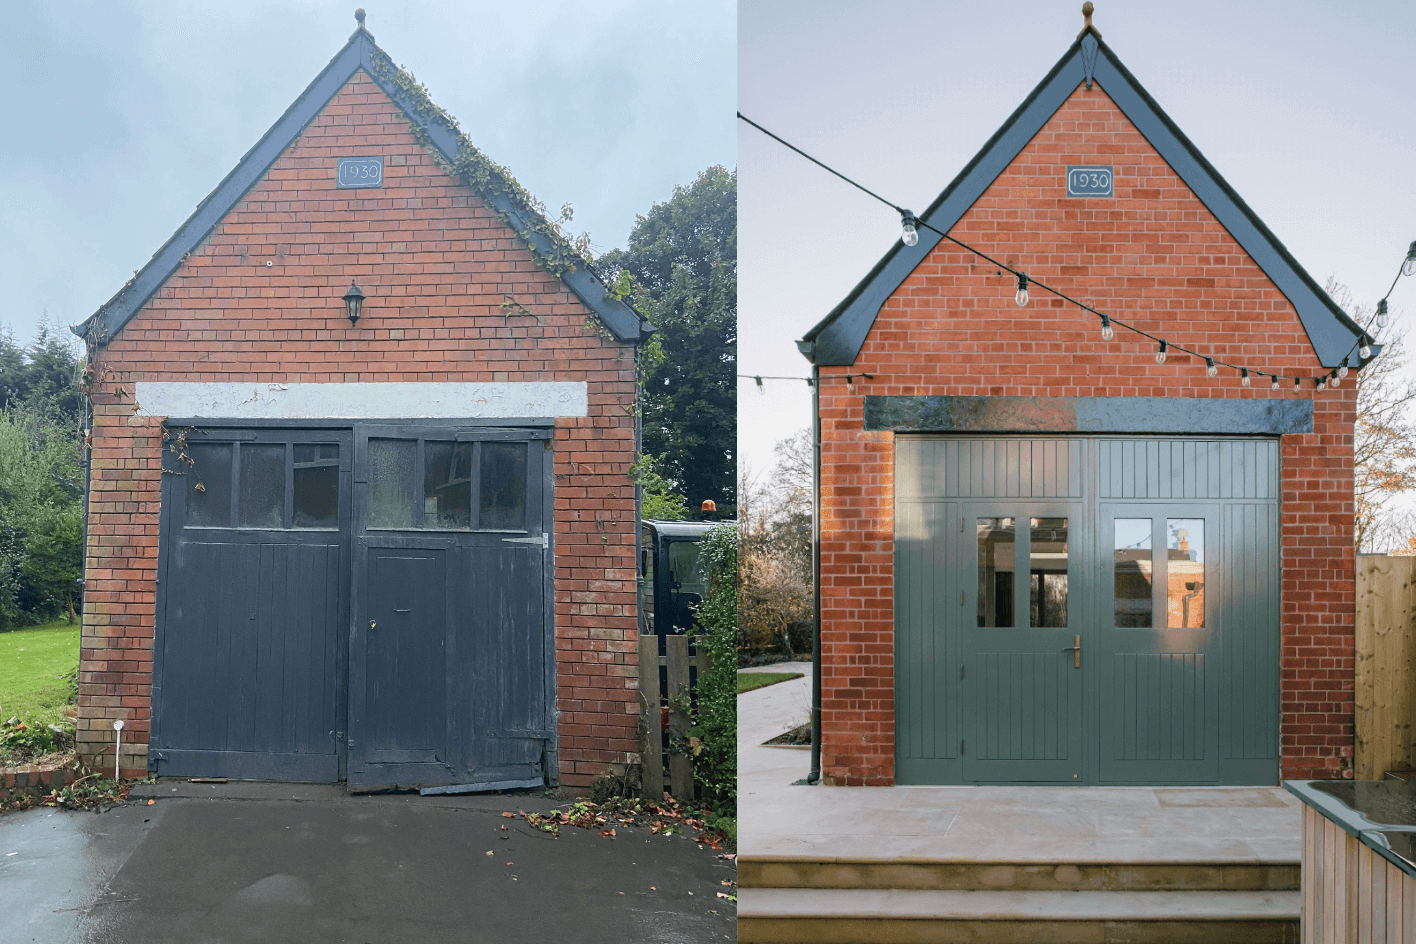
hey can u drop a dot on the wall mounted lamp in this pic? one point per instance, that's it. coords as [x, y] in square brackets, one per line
[353, 301]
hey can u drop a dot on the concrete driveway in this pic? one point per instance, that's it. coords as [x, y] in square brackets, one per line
[298, 862]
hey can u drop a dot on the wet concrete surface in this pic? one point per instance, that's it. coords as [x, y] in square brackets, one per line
[285, 862]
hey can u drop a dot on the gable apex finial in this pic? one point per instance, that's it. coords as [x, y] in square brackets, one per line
[359, 16]
[1087, 10]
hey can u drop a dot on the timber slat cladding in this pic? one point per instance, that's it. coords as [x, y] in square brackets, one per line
[1351, 894]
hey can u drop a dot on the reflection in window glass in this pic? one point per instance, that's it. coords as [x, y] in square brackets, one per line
[391, 486]
[1133, 572]
[502, 503]
[447, 485]
[209, 486]
[1185, 563]
[995, 571]
[317, 485]
[1047, 572]
[687, 583]
[262, 502]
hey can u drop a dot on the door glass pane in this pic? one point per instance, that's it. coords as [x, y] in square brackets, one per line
[447, 485]
[502, 506]
[208, 485]
[262, 487]
[1133, 572]
[995, 571]
[317, 485]
[391, 492]
[1185, 558]
[1047, 572]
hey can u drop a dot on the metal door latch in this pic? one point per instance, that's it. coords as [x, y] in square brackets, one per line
[541, 539]
[1076, 650]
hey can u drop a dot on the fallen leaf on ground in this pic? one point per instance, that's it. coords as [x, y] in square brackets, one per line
[506, 815]
[489, 852]
[151, 802]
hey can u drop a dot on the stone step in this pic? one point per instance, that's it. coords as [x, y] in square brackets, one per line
[785, 872]
[912, 916]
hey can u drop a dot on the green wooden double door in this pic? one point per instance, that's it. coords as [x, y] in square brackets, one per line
[1086, 610]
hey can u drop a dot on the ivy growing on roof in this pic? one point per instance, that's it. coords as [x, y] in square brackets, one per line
[504, 195]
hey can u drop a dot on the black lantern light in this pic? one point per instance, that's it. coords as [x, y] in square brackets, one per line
[353, 300]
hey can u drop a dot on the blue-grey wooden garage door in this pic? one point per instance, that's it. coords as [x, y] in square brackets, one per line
[1086, 610]
[450, 650]
[407, 605]
[249, 652]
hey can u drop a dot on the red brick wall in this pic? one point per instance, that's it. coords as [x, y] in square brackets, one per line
[436, 266]
[1154, 257]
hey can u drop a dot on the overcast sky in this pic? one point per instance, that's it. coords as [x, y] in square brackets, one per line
[122, 116]
[1306, 108]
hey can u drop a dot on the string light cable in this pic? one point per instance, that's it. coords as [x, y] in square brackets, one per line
[911, 224]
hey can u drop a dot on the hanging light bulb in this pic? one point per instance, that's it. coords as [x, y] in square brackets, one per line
[1381, 313]
[1210, 369]
[1274, 385]
[1409, 268]
[1320, 383]
[1160, 354]
[760, 389]
[1335, 380]
[1297, 383]
[1365, 351]
[1243, 376]
[1342, 370]
[910, 236]
[1022, 297]
[1106, 333]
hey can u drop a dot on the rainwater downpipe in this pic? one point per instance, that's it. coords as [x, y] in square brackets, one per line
[815, 775]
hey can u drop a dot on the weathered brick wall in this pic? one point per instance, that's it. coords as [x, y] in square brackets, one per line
[1154, 257]
[437, 267]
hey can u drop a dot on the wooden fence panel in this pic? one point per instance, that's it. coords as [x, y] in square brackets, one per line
[652, 699]
[1385, 693]
[651, 757]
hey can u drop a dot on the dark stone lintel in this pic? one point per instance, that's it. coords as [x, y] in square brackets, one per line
[1179, 415]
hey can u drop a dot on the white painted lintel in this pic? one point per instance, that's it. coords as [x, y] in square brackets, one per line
[246, 400]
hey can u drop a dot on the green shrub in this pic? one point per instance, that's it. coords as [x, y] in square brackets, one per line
[714, 717]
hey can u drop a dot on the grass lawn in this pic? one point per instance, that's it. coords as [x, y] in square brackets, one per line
[32, 663]
[747, 681]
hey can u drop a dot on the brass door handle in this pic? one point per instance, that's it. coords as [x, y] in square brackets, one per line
[1076, 650]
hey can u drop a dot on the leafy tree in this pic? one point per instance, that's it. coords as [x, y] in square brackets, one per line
[661, 502]
[681, 268]
[41, 481]
[1384, 441]
[775, 573]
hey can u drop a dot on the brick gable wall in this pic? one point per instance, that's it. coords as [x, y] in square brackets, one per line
[1154, 257]
[437, 267]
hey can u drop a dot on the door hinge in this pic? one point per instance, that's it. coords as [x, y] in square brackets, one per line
[961, 748]
[961, 525]
[961, 598]
[961, 671]
[541, 539]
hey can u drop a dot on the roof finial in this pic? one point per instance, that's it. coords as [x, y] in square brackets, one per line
[359, 16]
[1087, 10]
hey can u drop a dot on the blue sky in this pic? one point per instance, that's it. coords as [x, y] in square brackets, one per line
[123, 116]
[1306, 108]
